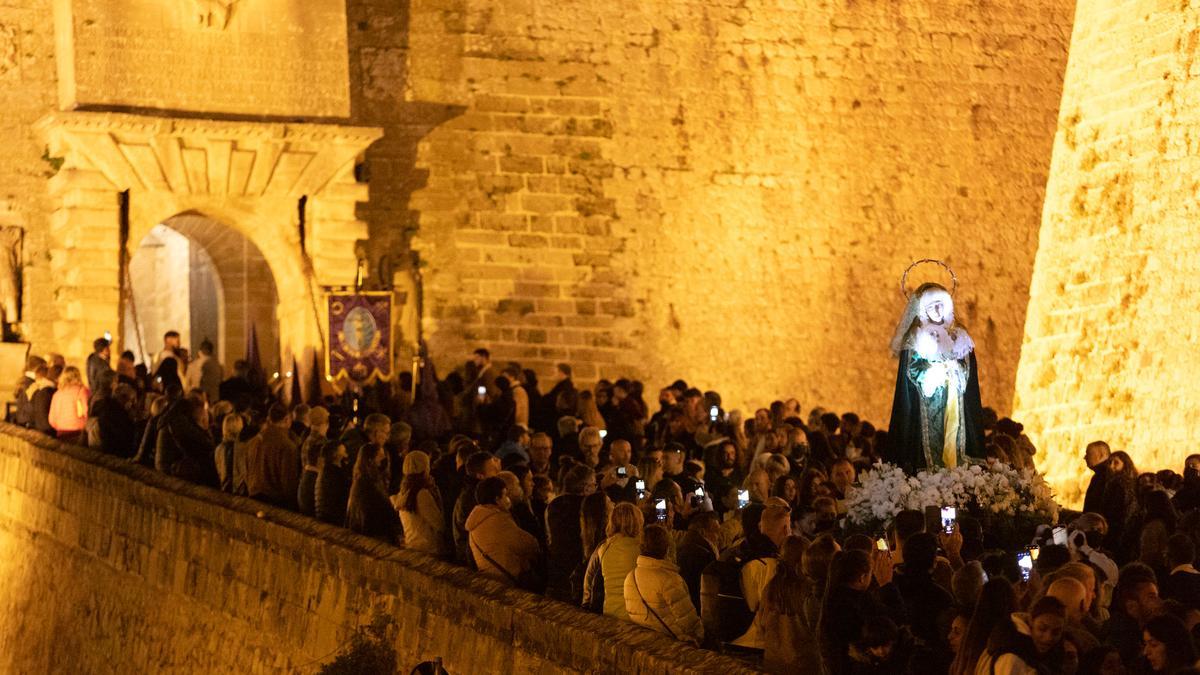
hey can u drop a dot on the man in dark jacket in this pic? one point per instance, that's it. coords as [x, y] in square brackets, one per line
[1096, 457]
[697, 550]
[480, 466]
[273, 462]
[1183, 582]
[564, 538]
[98, 362]
[184, 448]
[333, 484]
[924, 599]
[118, 431]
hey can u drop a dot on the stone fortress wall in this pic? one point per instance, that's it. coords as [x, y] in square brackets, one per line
[109, 567]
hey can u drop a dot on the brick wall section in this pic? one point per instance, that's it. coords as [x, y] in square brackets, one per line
[27, 91]
[1109, 342]
[729, 191]
[107, 567]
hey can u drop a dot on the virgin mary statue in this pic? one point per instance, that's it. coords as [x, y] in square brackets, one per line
[936, 412]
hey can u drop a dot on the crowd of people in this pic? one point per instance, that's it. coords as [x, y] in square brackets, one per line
[723, 530]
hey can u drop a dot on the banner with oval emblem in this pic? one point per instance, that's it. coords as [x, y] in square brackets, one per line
[360, 337]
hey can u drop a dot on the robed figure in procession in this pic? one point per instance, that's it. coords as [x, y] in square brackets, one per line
[936, 412]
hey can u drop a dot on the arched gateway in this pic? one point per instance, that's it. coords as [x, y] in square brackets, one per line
[272, 206]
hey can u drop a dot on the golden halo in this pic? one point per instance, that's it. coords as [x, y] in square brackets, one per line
[904, 279]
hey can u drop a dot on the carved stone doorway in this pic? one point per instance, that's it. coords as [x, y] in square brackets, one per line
[288, 189]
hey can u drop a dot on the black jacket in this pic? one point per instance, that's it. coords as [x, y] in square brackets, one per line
[564, 542]
[118, 432]
[925, 602]
[306, 493]
[693, 555]
[370, 512]
[332, 493]
[1093, 499]
[40, 405]
[184, 449]
[843, 616]
[1184, 587]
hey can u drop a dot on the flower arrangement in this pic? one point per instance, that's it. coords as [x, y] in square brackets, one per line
[990, 491]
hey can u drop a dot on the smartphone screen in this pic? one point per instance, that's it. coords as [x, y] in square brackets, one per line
[622, 471]
[640, 485]
[743, 498]
[881, 544]
[1060, 536]
[603, 433]
[1025, 563]
[482, 391]
[660, 510]
[699, 492]
[949, 513]
[1033, 552]
[713, 412]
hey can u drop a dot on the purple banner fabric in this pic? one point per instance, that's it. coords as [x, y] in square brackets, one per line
[360, 336]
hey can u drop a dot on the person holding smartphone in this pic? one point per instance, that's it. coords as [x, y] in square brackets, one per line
[620, 473]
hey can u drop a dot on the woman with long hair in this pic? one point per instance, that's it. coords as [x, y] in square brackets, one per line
[786, 489]
[69, 407]
[1120, 498]
[593, 525]
[369, 511]
[418, 502]
[787, 633]
[997, 601]
[1167, 645]
[1036, 643]
[613, 560]
[650, 469]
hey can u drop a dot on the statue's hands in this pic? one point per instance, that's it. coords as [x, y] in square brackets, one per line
[933, 378]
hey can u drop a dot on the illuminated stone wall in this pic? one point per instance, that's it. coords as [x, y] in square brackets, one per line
[108, 567]
[728, 191]
[1109, 349]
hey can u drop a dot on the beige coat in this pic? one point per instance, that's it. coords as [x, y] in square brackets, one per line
[496, 539]
[423, 527]
[656, 597]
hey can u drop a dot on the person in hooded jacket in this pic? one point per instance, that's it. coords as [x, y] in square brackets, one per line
[333, 484]
[859, 586]
[656, 596]
[184, 449]
[502, 550]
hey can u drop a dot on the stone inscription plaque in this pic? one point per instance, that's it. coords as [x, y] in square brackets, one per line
[256, 57]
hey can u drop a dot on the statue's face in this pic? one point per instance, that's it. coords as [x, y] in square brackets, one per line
[937, 307]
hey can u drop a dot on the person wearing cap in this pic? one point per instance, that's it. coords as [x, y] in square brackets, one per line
[417, 503]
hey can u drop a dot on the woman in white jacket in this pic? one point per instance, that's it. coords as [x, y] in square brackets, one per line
[656, 596]
[418, 502]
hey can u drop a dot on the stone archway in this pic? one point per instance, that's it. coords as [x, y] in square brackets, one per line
[205, 279]
[289, 189]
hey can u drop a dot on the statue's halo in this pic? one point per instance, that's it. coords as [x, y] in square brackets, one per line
[904, 278]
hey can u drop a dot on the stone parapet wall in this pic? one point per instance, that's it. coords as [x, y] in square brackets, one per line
[108, 567]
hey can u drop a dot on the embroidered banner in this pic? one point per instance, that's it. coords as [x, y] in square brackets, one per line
[360, 336]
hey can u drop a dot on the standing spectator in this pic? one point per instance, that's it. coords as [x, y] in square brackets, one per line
[1120, 499]
[560, 400]
[698, 549]
[306, 493]
[146, 448]
[613, 560]
[1183, 583]
[520, 486]
[924, 599]
[1168, 646]
[369, 511]
[520, 397]
[114, 420]
[564, 538]
[69, 407]
[184, 448]
[420, 513]
[723, 477]
[774, 527]
[41, 395]
[850, 599]
[996, 604]
[1096, 456]
[273, 462]
[1135, 601]
[205, 373]
[541, 450]
[1036, 644]
[502, 550]
[655, 595]
[789, 639]
[333, 484]
[377, 428]
[481, 466]
[230, 455]
[98, 361]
